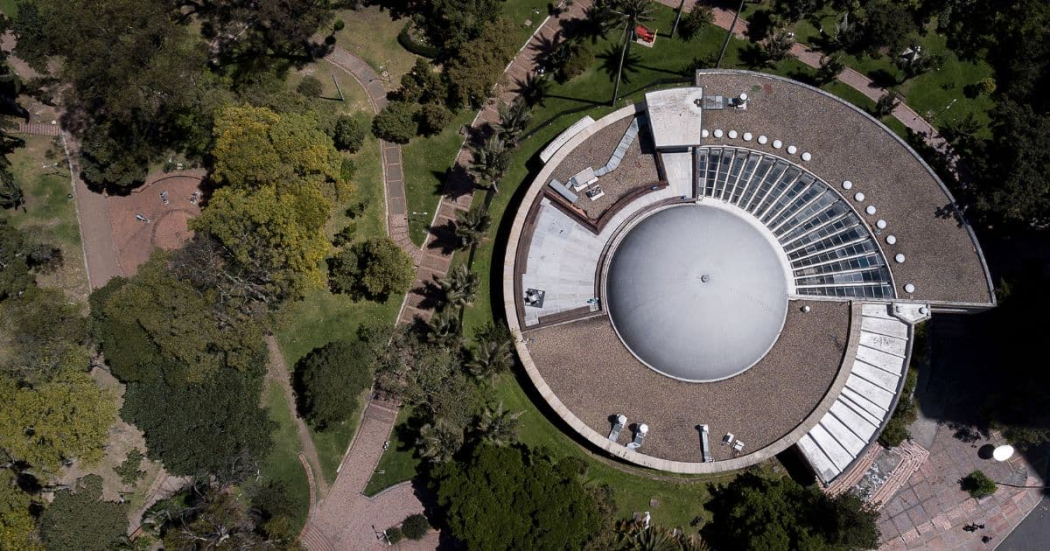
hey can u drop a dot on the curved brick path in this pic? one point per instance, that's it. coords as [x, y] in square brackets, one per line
[393, 173]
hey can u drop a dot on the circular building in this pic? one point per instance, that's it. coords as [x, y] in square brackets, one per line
[706, 279]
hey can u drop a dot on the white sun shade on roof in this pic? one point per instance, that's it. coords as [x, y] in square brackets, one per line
[674, 116]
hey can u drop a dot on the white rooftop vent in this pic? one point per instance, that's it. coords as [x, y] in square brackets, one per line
[748, 136]
[899, 258]
[792, 150]
[732, 134]
[870, 209]
[806, 156]
[881, 224]
[859, 196]
[763, 139]
[909, 288]
[718, 132]
[891, 239]
[847, 185]
[777, 144]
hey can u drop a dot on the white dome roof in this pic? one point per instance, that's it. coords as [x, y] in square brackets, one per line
[697, 292]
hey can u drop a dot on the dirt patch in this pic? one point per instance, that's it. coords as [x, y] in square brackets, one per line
[141, 221]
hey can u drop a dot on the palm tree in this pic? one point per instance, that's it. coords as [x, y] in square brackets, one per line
[777, 45]
[11, 196]
[533, 90]
[460, 286]
[490, 161]
[439, 441]
[514, 118]
[630, 13]
[497, 426]
[471, 226]
[446, 330]
[830, 67]
[492, 356]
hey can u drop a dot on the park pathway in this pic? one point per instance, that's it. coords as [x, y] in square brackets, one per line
[347, 519]
[393, 172]
[279, 373]
[723, 17]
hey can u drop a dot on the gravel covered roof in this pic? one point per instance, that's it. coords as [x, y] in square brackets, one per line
[596, 377]
[942, 259]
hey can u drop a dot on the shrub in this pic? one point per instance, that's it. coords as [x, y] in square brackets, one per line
[339, 25]
[394, 535]
[345, 235]
[408, 42]
[129, 469]
[986, 85]
[978, 485]
[415, 527]
[348, 133]
[374, 269]
[433, 118]
[310, 87]
[396, 122]
[347, 169]
[329, 380]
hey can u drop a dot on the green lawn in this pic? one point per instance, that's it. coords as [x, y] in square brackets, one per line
[397, 463]
[941, 96]
[50, 214]
[371, 34]
[426, 161]
[283, 464]
[322, 317]
[9, 7]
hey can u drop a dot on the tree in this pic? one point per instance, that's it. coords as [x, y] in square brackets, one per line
[310, 87]
[479, 64]
[777, 46]
[375, 268]
[511, 498]
[130, 470]
[260, 32]
[449, 24]
[460, 287]
[978, 485]
[439, 441]
[1014, 186]
[256, 147]
[830, 67]
[753, 512]
[887, 25]
[433, 118]
[276, 239]
[421, 85]
[471, 226]
[415, 526]
[348, 134]
[329, 381]
[514, 119]
[699, 18]
[570, 59]
[492, 353]
[44, 336]
[396, 122]
[17, 526]
[498, 426]
[131, 69]
[885, 106]
[64, 419]
[446, 329]
[15, 276]
[630, 13]
[489, 161]
[80, 519]
[213, 428]
[11, 195]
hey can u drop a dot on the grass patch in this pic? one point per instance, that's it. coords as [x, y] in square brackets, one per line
[371, 34]
[50, 214]
[282, 464]
[322, 317]
[398, 463]
[426, 162]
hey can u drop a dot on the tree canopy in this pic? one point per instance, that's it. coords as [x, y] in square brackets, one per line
[80, 520]
[509, 498]
[329, 380]
[17, 525]
[752, 512]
